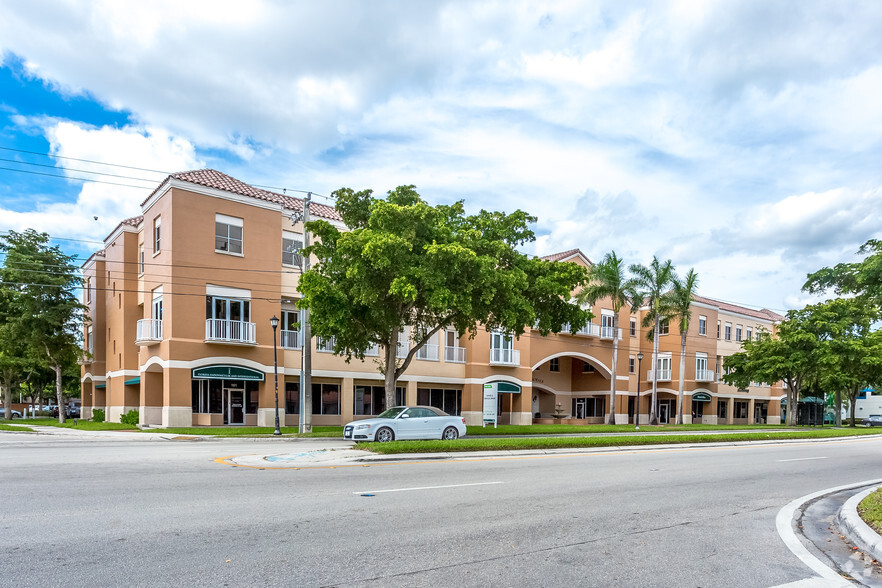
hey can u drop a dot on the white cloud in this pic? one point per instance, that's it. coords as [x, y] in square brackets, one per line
[111, 199]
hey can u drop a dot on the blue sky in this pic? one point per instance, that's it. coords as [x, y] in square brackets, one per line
[741, 138]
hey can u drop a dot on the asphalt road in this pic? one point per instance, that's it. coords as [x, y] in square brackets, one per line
[120, 512]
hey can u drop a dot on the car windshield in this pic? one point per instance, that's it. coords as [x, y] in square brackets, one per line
[392, 412]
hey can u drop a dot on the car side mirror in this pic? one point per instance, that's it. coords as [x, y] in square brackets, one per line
[405, 416]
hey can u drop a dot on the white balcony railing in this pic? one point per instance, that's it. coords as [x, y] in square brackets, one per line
[455, 354]
[224, 331]
[372, 351]
[402, 349]
[704, 375]
[664, 375]
[290, 339]
[324, 345]
[428, 351]
[607, 333]
[504, 356]
[591, 330]
[148, 331]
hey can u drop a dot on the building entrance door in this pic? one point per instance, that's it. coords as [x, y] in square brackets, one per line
[580, 408]
[664, 411]
[234, 406]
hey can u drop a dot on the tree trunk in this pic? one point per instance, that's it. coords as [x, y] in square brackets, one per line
[853, 402]
[838, 403]
[7, 402]
[59, 393]
[389, 375]
[792, 395]
[682, 377]
[613, 376]
[653, 417]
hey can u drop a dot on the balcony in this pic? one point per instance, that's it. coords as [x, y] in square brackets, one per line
[148, 332]
[429, 352]
[664, 375]
[704, 375]
[504, 356]
[290, 340]
[590, 330]
[324, 345]
[455, 354]
[607, 333]
[235, 332]
[372, 351]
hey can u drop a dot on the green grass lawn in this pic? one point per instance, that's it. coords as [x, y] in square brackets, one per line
[479, 444]
[5, 427]
[82, 425]
[568, 429]
[870, 510]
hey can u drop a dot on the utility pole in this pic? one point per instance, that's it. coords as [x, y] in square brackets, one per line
[306, 367]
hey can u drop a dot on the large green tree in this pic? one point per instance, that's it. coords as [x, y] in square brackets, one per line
[47, 317]
[403, 263]
[653, 283]
[681, 296]
[607, 280]
[863, 278]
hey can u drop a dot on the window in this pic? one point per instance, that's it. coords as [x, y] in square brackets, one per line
[501, 347]
[633, 327]
[701, 367]
[664, 367]
[664, 327]
[325, 345]
[554, 365]
[325, 399]
[452, 351]
[289, 329]
[749, 335]
[587, 368]
[718, 329]
[88, 290]
[89, 339]
[157, 235]
[371, 400]
[207, 396]
[227, 234]
[227, 309]
[141, 260]
[740, 409]
[632, 365]
[722, 408]
[292, 398]
[292, 243]
[702, 325]
[588, 407]
[448, 400]
[728, 331]
[738, 332]
[606, 323]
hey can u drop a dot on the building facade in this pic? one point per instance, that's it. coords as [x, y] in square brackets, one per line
[180, 301]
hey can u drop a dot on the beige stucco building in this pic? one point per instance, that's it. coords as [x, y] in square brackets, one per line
[180, 301]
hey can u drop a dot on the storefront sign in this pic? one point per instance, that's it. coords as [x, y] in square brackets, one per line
[490, 396]
[227, 372]
[701, 397]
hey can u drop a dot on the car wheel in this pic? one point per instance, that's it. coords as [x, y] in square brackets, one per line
[385, 434]
[450, 434]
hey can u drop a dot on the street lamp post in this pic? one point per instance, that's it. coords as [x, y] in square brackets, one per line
[637, 400]
[275, 323]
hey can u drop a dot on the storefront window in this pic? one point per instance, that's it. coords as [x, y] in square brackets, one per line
[292, 398]
[450, 401]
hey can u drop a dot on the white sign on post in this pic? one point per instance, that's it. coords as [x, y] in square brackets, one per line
[490, 403]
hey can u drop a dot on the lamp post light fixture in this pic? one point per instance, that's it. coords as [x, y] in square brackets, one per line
[637, 400]
[275, 323]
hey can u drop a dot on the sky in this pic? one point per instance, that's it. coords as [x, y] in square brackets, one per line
[739, 138]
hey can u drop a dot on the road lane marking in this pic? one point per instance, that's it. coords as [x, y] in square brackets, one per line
[427, 488]
[784, 525]
[801, 459]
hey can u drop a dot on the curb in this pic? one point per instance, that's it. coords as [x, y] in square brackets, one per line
[859, 532]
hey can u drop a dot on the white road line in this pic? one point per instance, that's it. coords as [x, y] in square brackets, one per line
[426, 488]
[802, 459]
[784, 524]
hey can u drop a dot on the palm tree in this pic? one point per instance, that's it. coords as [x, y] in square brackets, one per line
[653, 283]
[682, 295]
[606, 280]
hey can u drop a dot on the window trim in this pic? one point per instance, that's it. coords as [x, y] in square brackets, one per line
[157, 235]
[702, 325]
[229, 221]
[297, 253]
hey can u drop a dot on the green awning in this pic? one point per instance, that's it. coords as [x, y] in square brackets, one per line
[133, 381]
[813, 400]
[227, 372]
[701, 397]
[101, 386]
[507, 387]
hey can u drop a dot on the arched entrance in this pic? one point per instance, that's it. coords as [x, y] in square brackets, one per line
[571, 387]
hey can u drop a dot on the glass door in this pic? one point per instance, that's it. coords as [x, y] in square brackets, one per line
[234, 405]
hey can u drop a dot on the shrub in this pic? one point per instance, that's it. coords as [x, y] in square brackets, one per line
[130, 418]
[97, 415]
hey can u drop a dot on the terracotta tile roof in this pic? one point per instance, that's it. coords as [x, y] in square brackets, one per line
[764, 313]
[211, 178]
[134, 221]
[564, 255]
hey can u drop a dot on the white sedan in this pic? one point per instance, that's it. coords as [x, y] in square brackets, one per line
[407, 422]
